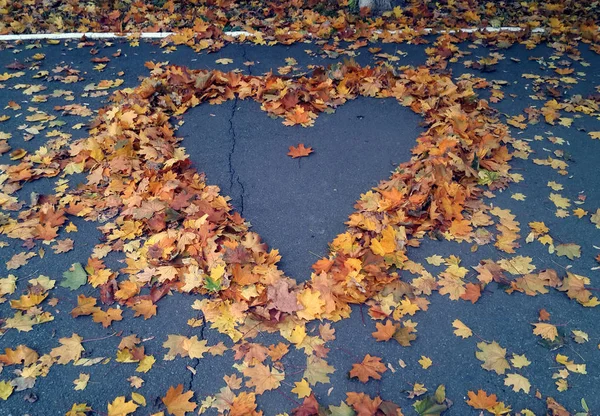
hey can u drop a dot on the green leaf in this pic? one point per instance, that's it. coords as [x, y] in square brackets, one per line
[428, 407]
[75, 277]
[440, 394]
[571, 251]
[342, 410]
[212, 285]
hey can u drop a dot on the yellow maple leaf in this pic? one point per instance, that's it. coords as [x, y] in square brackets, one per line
[519, 361]
[70, 350]
[120, 407]
[518, 382]
[6, 389]
[145, 364]
[313, 304]
[82, 381]
[302, 389]
[425, 362]
[493, 357]
[461, 329]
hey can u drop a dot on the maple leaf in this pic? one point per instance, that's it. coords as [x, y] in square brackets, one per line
[107, 317]
[302, 389]
[82, 381]
[472, 292]
[370, 367]
[70, 350]
[263, 378]
[21, 354]
[62, 246]
[493, 357]
[481, 400]
[363, 404]
[120, 407]
[145, 364]
[519, 361]
[145, 308]
[317, 370]
[195, 348]
[425, 362]
[385, 331]
[85, 306]
[177, 402]
[546, 331]
[299, 151]
[461, 329]
[544, 315]
[518, 382]
[571, 251]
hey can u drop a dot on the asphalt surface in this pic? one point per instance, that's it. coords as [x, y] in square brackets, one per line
[298, 206]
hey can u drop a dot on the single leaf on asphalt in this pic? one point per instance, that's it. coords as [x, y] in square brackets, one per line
[107, 317]
[571, 251]
[384, 331]
[302, 389]
[435, 260]
[138, 398]
[120, 407]
[493, 357]
[75, 277]
[70, 350]
[79, 409]
[6, 389]
[144, 308]
[545, 330]
[580, 337]
[224, 61]
[461, 329]
[85, 306]
[425, 362]
[145, 364]
[317, 370]
[519, 361]
[18, 260]
[370, 367]
[299, 151]
[481, 400]
[177, 402]
[518, 383]
[81, 382]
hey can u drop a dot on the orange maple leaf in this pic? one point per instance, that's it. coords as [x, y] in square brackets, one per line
[481, 400]
[385, 331]
[473, 292]
[144, 308]
[106, 318]
[300, 151]
[178, 402]
[370, 367]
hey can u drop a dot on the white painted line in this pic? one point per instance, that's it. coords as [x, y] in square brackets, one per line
[235, 33]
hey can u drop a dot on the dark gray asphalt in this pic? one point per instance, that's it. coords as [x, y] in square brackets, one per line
[298, 206]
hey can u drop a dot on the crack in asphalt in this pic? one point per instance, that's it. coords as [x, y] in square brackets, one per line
[196, 362]
[233, 176]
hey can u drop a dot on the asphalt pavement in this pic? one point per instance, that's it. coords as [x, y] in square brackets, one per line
[298, 206]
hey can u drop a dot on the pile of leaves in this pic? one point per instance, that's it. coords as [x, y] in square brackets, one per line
[201, 24]
[178, 233]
